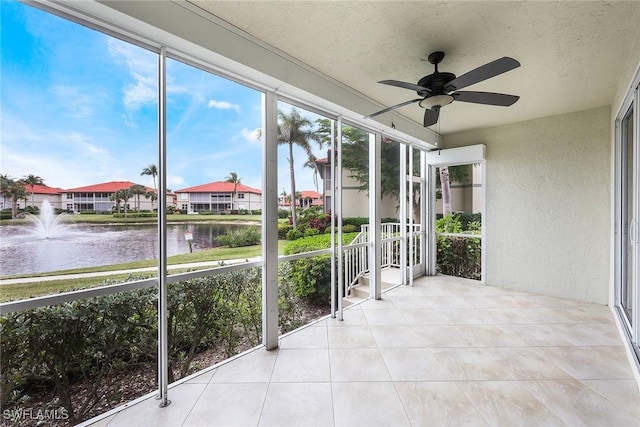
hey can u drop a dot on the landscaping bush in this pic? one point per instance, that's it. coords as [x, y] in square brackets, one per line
[76, 353]
[283, 213]
[349, 228]
[458, 256]
[294, 234]
[310, 278]
[257, 212]
[283, 229]
[5, 215]
[311, 232]
[88, 213]
[243, 236]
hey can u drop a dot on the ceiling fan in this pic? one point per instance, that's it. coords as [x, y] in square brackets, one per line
[439, 89]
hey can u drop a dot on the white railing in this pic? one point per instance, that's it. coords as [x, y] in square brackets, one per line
[356, 254]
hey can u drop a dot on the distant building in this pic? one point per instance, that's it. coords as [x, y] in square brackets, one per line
[40, 194]
[219, 196]
[97, 197]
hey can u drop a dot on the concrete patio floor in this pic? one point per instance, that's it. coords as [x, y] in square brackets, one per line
[445, 352]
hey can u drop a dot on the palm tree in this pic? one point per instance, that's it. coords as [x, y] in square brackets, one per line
[14, 190]
[32, 180]
[311, 164]
[137, 190]
[293, 129]
[116, 197]
[151, 170]
[233, 178]
[123, 194]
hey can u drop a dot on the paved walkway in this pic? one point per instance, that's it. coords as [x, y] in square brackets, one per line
[130, 271]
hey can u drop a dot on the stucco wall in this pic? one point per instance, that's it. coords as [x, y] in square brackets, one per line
[548, 204]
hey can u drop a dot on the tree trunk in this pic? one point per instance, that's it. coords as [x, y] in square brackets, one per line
[294, 219]
[446, 191]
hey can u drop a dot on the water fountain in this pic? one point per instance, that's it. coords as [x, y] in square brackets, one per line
[47, 223]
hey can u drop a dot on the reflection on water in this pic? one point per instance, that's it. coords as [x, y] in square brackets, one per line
[23, 251]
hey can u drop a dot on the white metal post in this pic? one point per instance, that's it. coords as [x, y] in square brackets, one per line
[163, 347]
[403, 213]
[334, 251]
[424, 182]
[337, 186]
[270, 221]
[375, 253]
[412, 233]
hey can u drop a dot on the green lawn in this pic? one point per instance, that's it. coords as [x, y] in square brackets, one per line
[45, 287]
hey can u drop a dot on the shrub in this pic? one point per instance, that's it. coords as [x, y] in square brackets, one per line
[83, 346]
[458, 256]
[294, 234]
[311, 232]
[244, 236]
[283, 213]
[88, 213]
[283, 229]
[310, 278]
[349, 228]
[258, 212]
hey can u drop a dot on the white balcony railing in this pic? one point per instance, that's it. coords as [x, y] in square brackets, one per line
[356, 254]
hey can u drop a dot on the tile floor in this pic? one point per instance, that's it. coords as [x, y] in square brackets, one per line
[445, 352]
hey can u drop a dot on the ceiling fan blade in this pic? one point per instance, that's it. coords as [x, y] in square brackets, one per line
[488, 98]
[431, 117]
[483, 72]
[405, 85]
[377, 113]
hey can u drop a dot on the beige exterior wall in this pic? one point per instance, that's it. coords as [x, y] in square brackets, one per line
[548, 203]
[356, 203]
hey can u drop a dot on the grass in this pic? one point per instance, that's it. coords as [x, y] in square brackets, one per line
[47, 287]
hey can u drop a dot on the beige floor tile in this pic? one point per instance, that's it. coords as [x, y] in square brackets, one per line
[384, 317]
[425, 316]
[351, 317]
[389, 336]
[359, 404]
[253, 367]
[466, 336]
[438, 404]
[351, 337]
[148, 413]
[302, 365]
[203, 378]
[298, 405]
[507, 403]
[590, 334]
[357, 365]
[382, 304]
[407, 302]
[577, 404]
[228, 405]
[589, 363]
[476, 363]
[413, 364]
[308, 337]
[537, 335]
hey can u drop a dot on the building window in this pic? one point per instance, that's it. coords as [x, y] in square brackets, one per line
[240, 195]
[69, 196]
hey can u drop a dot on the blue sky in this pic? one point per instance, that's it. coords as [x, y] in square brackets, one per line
[79, 107]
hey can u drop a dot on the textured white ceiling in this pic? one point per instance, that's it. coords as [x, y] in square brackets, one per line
[571, 52]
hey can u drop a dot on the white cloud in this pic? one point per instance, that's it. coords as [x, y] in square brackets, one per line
[143, 69]
[78, 102]
[175, 182]
[224, 105]
[250, 135]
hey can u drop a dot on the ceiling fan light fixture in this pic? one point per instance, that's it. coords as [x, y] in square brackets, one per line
[436, 101]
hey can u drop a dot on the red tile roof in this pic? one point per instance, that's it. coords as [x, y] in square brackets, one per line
[308, 194]
[105, 187]
[219, 187]
[42, 189]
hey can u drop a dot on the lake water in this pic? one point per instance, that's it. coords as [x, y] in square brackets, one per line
[24, 251]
